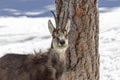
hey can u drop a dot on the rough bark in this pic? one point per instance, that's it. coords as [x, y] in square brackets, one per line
[83, 56]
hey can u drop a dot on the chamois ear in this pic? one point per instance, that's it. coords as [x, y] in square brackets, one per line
[67, 27]
[50, 26]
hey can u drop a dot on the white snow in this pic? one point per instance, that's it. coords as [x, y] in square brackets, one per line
[23, 35]
[110, 45]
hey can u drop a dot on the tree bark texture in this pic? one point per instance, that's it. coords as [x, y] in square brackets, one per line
[83, 56]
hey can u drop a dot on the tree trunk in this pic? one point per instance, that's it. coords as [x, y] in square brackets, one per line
[83, 56]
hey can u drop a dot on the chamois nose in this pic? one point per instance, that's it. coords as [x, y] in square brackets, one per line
[62, 42]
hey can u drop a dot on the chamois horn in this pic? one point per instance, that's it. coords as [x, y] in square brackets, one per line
[55, 17]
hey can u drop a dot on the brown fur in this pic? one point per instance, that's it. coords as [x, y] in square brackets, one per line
[39, 66]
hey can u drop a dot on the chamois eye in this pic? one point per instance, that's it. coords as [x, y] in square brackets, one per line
[55, 35]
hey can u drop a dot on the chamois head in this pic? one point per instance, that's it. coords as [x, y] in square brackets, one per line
[59, 36]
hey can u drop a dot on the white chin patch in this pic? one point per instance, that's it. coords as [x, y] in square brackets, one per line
[61, 50]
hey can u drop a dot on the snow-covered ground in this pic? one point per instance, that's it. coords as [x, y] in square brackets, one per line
[110, 45]
[24, 35]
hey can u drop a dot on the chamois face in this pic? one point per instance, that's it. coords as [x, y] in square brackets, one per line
[59, 36]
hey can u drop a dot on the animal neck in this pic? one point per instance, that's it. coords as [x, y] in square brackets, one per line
[60, 53]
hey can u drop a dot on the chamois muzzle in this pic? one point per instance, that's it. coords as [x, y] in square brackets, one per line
[62, 42]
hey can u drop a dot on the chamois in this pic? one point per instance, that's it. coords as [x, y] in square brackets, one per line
[49, 65]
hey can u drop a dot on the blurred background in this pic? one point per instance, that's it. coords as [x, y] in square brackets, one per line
[41, 8]
[24, 29]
